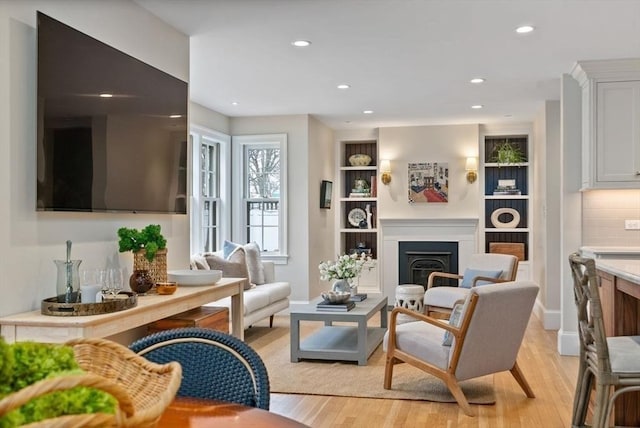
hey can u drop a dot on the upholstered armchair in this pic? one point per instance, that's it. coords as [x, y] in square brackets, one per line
[483, 268]
[484, 339]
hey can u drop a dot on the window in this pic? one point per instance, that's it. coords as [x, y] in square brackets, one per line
[260, 163]
[210, 209]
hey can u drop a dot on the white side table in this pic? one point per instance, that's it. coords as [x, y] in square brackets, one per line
[409, 296]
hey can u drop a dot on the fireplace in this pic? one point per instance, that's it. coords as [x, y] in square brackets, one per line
[417, 259]
[463, 231]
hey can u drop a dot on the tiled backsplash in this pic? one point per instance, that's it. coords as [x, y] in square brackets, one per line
[603, 216]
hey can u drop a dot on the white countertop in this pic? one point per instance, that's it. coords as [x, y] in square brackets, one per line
[611, 251]
[622, 268]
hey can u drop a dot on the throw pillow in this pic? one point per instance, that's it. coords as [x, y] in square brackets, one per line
[198, 261]
[471, 274]
[234, 267]
[228, 248]
[454, 320]
[254, 264]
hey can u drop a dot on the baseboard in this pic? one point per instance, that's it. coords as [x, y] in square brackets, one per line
[550, 318]
[568, 343]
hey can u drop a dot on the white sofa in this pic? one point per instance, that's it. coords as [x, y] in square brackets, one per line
[264, 300]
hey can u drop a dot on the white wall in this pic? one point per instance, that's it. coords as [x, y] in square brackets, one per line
[296, 271]
[546, 210]
[570, 208]
[30, 240]
[321, 221]
[451, 144]
[202, 116]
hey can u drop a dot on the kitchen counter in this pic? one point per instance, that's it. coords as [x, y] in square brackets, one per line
[622, 268]
[603, 252]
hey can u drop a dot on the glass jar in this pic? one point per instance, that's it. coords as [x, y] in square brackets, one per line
[68, 280]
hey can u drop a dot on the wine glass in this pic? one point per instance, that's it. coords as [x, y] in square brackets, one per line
[114, 281]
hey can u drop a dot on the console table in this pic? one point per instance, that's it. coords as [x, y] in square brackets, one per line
[58, 329]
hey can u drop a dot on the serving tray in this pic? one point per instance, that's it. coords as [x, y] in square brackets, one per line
[124, 300]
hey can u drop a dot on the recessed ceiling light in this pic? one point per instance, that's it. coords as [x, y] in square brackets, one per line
[234, 103]
[477, 106]
[344, 86]
[508, 115]
[175, 116]
[347, 121]
[524, 29]
[368, 112]
[106, 95]
[477, 80]
[301, 43]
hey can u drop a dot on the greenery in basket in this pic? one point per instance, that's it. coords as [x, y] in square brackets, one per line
[507, 153]
[149, 239]
[24, 363]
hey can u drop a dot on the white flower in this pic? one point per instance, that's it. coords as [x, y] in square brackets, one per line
[345, 267]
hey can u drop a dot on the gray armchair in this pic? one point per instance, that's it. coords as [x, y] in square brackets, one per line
[477, 348]
[482, 268]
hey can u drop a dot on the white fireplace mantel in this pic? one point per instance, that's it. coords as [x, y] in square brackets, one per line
[464, 231]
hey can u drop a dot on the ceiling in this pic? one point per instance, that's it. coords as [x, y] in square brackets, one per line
[410, 61]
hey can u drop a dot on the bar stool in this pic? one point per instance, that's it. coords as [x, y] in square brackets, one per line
[409, 296]
[605, 362]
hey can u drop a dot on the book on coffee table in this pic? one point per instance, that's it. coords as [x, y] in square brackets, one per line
[358, 297]
[325, 305]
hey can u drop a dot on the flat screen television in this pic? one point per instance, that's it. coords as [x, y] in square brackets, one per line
[112, 130]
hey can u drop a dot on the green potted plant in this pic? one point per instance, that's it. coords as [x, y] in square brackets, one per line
[149, 239]
[149, 249]
[508, 154]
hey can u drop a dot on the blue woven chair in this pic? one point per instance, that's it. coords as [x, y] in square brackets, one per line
[215, 365]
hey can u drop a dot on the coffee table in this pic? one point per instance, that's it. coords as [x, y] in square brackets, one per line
[338, 342]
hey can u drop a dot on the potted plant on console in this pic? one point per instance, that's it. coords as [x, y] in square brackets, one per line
[149, 249]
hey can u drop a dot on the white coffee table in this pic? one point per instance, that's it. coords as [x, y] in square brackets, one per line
[338, 342]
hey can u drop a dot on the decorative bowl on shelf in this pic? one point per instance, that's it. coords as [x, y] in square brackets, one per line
[359, 160]
[194, 277]
[336, 296]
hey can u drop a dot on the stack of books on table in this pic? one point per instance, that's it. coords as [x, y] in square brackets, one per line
[325, 305]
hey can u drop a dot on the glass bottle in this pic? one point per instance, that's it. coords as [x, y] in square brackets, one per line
[68, 280]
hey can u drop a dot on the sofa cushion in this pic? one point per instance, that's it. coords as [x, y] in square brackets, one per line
[234, 267]
[471, 274]
[198, 261]
[277, 290]
[256, 298]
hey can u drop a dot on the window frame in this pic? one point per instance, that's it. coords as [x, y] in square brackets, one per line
[223, 206]
[239, 144]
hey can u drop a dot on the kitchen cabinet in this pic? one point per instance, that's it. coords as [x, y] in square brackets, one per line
[610, 123]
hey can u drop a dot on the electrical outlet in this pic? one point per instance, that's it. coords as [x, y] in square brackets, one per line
[632, 224]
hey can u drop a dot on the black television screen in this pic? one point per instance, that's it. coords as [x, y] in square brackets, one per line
[112, 130]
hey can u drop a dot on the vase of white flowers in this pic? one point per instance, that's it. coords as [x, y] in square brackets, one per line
[344, 270]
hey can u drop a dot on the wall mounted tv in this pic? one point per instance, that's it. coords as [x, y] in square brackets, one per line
[112, 130]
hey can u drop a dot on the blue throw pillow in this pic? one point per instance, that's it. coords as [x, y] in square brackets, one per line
[228, 248]
[455, 319]
[470, 274]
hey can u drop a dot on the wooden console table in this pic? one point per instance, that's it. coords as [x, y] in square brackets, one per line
[53, 329]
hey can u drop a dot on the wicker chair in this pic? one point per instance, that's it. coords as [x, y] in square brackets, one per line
[215, 365]
[143, 389]
[609, 361]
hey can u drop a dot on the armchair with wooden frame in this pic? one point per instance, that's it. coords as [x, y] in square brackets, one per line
[477, 348]
[483, 268]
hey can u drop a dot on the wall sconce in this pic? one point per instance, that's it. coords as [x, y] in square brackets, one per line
[472, 169]
[385, 168]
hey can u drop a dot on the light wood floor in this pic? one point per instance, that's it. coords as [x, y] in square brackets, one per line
[551, 376]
